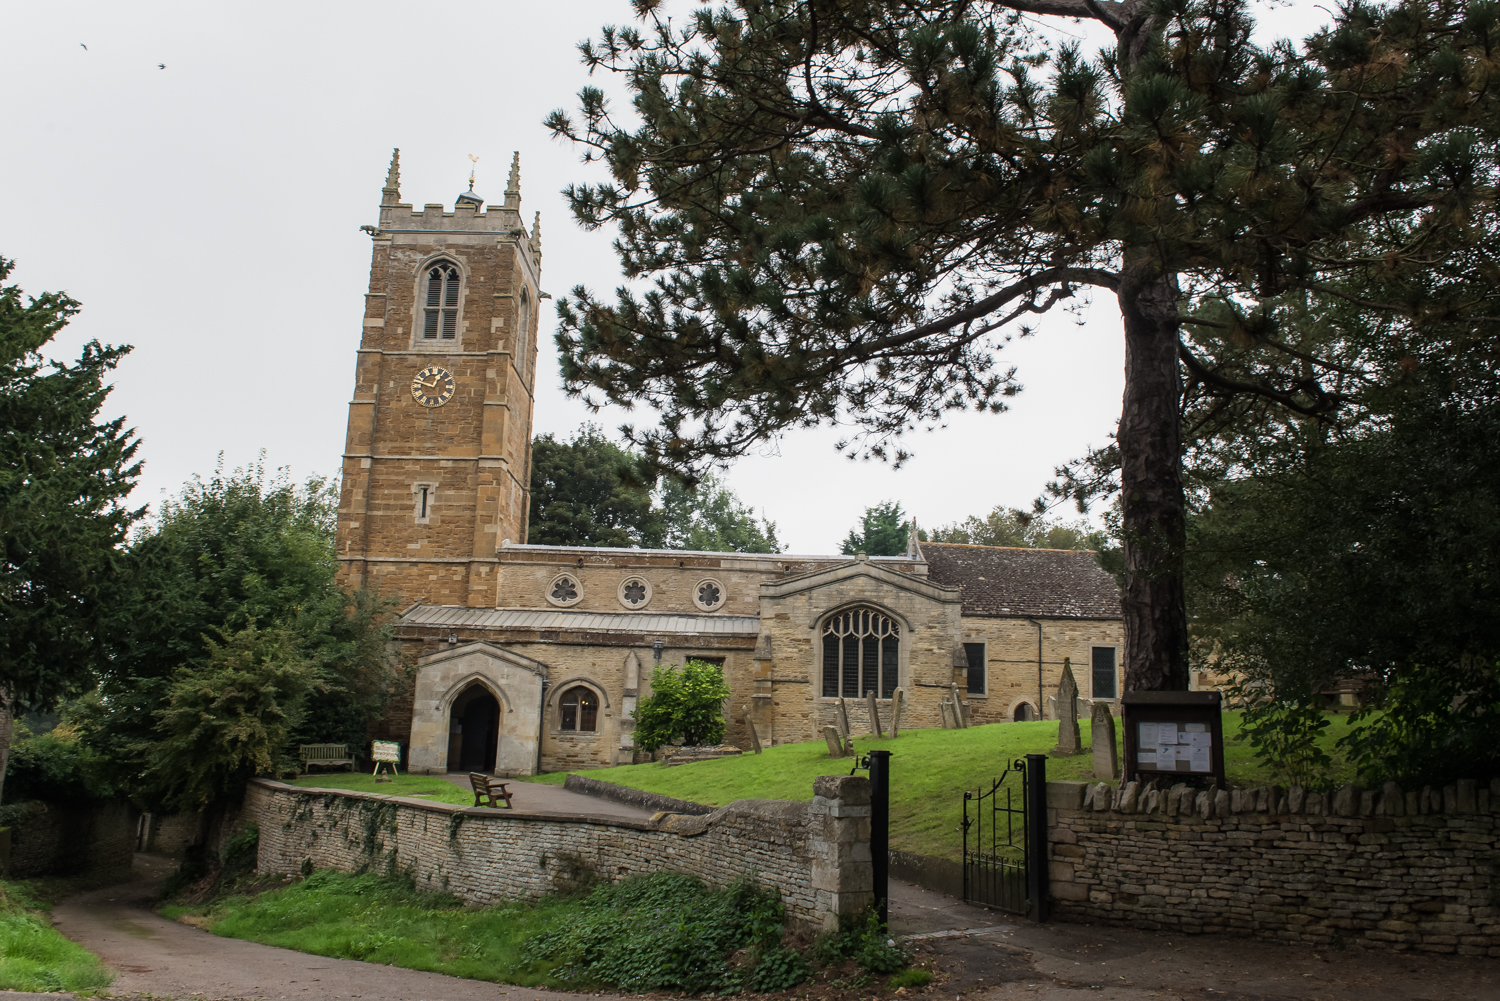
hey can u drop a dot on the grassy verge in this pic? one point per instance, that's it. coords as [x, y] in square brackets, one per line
[930, 769]
[660, 932]
[431, 787]
[34, 956]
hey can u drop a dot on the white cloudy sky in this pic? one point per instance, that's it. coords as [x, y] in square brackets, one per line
[208, 213]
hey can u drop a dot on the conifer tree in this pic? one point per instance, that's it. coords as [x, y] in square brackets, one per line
[840, 210]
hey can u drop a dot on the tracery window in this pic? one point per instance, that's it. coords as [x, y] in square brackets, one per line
[565, 590]
[440, 314]
[580, 709]
[861, 654]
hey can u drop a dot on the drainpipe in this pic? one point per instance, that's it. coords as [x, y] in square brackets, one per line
[541, 723]
[1041, 686]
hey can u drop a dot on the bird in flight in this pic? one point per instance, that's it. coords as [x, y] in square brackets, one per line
[161, 66]
[85, 47]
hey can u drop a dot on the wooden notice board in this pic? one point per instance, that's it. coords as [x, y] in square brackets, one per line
[1173, 735]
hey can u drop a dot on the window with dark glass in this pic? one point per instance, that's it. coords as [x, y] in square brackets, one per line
[440, 314]
[974, 653]
[580, 709]
[861, 654]
[1104, 672]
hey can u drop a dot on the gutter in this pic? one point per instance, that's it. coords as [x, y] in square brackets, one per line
[1041, 699]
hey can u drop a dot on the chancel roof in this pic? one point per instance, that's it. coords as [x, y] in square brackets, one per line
[1047, 583]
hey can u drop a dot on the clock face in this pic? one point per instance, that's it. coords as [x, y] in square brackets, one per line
[432, 387]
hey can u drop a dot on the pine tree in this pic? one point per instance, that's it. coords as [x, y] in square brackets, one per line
[844, 209]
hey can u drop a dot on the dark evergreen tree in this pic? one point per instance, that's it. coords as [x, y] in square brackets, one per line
[844, 208]
[711, 518]
[883, 531]
[588, 491]
[64, 476]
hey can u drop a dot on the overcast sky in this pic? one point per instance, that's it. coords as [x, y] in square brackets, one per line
[208, 213]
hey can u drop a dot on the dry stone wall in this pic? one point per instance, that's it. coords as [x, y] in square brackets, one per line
[816, 854]
[1403, 869]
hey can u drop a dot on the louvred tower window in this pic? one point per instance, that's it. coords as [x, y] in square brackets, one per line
[440, 315]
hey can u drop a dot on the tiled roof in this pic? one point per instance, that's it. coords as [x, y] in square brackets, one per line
[593, 622]
[1049, 583]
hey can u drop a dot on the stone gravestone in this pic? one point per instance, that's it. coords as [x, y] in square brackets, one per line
[960, 710]
[898, 699]
[754, 737]
[947, 710]
[841, 720]
[1067, 713]
[835, 746]
[1106, 755]
[874, 714]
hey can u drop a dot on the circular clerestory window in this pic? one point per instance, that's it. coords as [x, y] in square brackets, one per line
[565, 590]
[635, 592]
[709, 594]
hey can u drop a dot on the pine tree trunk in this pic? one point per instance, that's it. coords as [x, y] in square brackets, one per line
[7, 723]
[1151, 498]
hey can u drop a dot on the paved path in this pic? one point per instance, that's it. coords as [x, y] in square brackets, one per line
[982, 956]
[539, 797]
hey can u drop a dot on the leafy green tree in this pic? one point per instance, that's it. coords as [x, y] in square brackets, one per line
[1365, 558]
[588, 491]
[236, 579]
[64, 476]
[883, 531]
[1013, 527]
[711, 518]
[685, 706]
[839, 212]
[229, 720]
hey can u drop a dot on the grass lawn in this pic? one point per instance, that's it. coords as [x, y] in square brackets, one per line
[431, 787]
[34, 956]
[930, 769]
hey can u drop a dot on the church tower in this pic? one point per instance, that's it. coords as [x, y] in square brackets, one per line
[437, 462]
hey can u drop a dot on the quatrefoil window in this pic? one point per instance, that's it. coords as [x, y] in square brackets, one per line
[565, 590]
[708, 594]
[635, 592]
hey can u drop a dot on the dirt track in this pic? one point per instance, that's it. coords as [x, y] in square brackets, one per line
[982, 956]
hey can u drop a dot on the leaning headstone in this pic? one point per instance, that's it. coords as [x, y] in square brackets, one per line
[1102, 731]
[898, 700]
[841, 720]
[874, 714]
[1067, 714]
[960, 710]
[750, 725]
[835, 746]
[946, 708]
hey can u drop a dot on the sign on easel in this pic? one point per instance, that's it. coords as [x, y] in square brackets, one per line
[386, 754]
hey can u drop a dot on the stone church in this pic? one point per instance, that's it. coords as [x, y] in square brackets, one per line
[533, 658]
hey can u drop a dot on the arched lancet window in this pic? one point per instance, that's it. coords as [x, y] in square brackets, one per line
[523, 332]
[440, 315]
[580, 709]
[861, 654]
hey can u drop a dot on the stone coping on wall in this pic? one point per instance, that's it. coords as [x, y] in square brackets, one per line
[1389, 867]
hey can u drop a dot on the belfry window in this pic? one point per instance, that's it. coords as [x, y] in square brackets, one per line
[580, 709]
[440, 314]
[861, 654]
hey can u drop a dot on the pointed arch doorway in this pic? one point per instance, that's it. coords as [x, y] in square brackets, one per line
[474, 730]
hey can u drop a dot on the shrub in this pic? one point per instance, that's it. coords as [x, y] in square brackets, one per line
[863, 939]
[686, 706]
[669, 932]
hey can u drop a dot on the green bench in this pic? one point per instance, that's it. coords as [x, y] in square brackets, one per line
[326, 754]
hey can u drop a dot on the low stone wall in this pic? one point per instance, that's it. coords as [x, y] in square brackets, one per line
[616, 793]
[816, 854]
[65, 839]
[1395, 868]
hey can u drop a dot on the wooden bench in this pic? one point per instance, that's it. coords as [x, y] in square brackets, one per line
[326, 754]
[491, 788]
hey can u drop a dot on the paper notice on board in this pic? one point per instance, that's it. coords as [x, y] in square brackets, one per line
[1146, 757]
[1166, 733]
[1197, 740]
[1147, 734]
[1200, 760]
[1195, 727]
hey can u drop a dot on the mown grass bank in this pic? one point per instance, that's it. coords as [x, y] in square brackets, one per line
[658, 932]
[930, 769]
[36, 957]
[431, 787]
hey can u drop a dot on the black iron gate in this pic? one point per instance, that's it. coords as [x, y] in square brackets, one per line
[1005, 857]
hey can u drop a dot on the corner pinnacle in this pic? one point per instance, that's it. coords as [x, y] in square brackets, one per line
[391, 193]
[513, 185]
